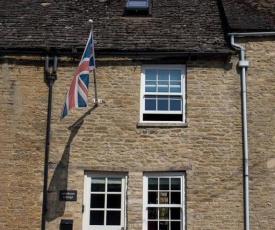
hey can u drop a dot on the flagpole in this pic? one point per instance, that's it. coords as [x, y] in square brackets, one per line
[50, 79]
[94, 70]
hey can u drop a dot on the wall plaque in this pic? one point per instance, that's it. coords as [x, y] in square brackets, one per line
[68, 195]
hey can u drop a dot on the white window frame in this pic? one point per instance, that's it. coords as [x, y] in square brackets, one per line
[180, 175]
[86, 199]
[182, 94]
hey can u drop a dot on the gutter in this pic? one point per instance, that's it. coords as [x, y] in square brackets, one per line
[243, 65]
[99, 52]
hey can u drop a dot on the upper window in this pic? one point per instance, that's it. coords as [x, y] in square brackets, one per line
[137, 7]
[164, 201]
[162, 93]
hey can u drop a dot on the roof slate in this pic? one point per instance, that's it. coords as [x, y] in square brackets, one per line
[250, 15]
[175, 25]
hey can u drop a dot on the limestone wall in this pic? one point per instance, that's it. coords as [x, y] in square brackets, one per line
[261, 130]
[209, 149]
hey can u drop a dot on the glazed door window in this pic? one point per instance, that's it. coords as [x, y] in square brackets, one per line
[104, 202]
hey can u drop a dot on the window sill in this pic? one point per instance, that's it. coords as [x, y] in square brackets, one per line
[161, 125]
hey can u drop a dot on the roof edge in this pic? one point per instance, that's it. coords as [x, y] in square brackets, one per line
[102, 52]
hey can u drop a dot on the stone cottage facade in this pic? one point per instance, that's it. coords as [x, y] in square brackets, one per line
[164, 148]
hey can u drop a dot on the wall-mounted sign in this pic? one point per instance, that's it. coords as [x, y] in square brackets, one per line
[67, 195]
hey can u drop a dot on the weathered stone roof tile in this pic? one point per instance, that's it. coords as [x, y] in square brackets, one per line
[250, 15]
[174, 25]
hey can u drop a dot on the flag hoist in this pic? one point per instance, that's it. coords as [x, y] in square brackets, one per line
[77, 95]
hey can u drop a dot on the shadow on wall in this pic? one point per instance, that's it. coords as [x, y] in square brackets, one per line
[59, 179]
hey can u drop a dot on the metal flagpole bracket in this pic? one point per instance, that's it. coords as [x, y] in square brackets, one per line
[50, 77]
[97, 101]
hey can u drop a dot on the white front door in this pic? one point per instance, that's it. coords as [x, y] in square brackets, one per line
[104, 201]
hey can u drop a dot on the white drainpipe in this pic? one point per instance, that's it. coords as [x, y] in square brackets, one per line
[243, 64]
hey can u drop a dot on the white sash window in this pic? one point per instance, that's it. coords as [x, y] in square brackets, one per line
[164, 201]
[162, 94]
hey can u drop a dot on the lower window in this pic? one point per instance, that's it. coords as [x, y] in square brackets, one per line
[164, 201]
[104, 201]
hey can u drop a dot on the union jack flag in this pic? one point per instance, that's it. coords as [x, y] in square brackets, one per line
[77, 95]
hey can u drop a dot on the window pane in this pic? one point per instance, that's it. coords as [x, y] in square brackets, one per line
[175, 198]
[113, 201]
[114, 185]
[150, 89]
[150, 86]
[163, 86]
[164, 213]
[164, 225]
[113, 217]
[164, 197]
[97, 201]
[163, 74]
[150, 104]
[150, 83]
[98, 184]
[175, 225]
[137, 3]
[175, 105]
[175, 90]
[151, 74]
[152, 225]
[163, 104]
[175, 213]
[96, 217]
[175, 184]
[175, 87]
[152, 197]
[153, 184]
[175, 75]
[164, 183]
[152, 213]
